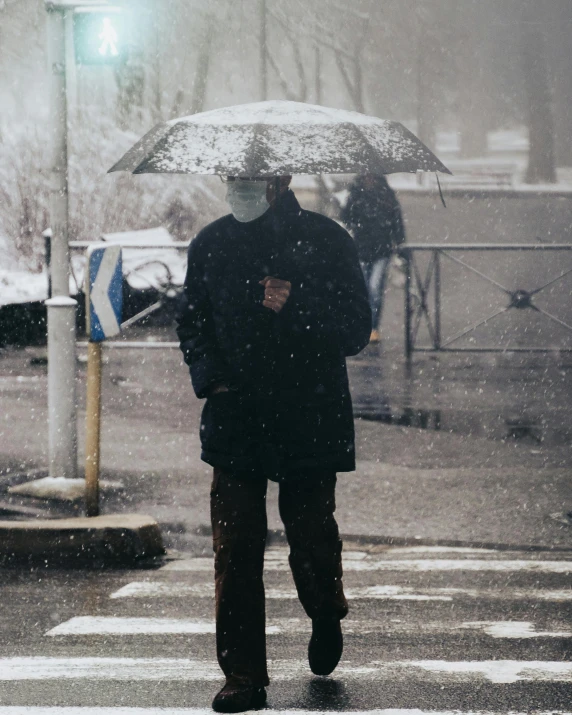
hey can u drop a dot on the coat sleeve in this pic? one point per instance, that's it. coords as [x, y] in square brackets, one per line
[348, 212]
[195, 328]
[397, 226]
[338, 309]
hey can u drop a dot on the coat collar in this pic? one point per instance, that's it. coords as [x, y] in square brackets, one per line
[287, 204]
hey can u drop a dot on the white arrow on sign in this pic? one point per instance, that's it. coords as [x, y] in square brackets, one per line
[99, 293]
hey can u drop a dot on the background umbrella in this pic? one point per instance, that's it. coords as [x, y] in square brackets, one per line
[278, 138]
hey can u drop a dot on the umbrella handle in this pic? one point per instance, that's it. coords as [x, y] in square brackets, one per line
[440, 190]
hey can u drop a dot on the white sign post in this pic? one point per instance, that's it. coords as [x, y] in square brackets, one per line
[61, 396]
[104, 304]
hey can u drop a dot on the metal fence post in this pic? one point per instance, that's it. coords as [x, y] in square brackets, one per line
[47, 234]
[408, 341]
[93, 429]
[437, 258]
[61, 386]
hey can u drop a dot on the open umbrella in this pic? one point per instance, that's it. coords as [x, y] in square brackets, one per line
[278, 138]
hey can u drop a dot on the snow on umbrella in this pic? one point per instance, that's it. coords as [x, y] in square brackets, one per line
[267, 139]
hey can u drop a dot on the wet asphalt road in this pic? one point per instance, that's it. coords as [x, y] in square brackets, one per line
[429, 629]
[491, 433]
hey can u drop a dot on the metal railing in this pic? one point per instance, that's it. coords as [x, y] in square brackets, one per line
[423, 286]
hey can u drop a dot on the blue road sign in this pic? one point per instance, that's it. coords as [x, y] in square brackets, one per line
[104, 292]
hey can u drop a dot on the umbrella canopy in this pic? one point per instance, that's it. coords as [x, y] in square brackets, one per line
[278, 138]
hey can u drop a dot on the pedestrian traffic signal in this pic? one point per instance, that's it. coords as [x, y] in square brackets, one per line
[99, 36]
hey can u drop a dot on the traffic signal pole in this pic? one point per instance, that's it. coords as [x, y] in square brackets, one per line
[58, 150]
[61, 313]
[62, 482]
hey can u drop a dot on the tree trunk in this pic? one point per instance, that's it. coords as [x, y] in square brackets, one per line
[541, 159]
[354, 85]
[426, 119]
[263, 48]
[472, 90]
[562, 59]
[317, 75]
[130, 80]
[202, 70]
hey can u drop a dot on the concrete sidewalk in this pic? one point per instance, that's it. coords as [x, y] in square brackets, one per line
[453, 477]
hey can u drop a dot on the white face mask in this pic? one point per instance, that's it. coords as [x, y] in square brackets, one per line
[247, 199]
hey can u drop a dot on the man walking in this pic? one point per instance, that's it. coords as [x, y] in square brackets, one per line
[274, 301]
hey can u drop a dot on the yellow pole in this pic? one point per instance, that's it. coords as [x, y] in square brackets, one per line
[93, 429]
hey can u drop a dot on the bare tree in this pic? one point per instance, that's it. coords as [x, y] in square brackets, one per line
[299, 93]
[130, 79]
[428, 53]
[211, 27]
[202, 68]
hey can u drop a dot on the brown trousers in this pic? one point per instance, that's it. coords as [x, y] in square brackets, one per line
[238, 514]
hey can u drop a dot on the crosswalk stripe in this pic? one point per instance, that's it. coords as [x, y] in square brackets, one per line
[413, 565]
[158, 589]
[19, 710]
[428, 550]
[389, 551]
[180, 669]
[110, 625]
[381, 551]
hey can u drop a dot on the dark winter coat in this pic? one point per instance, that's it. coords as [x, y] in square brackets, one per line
[289, 407]
[374, 217]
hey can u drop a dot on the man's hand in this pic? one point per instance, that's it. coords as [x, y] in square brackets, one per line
[276, 293]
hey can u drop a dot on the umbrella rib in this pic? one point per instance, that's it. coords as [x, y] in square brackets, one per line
[158, 132]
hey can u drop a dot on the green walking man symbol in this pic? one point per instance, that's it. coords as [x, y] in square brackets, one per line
[108, 37]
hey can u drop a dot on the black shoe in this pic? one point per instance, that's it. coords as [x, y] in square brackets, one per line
[237, 698]
[326, 645]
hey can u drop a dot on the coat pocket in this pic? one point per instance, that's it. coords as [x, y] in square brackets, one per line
[225, 424]
[315, 427]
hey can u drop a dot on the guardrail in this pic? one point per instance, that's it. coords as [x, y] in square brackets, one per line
[419, 287]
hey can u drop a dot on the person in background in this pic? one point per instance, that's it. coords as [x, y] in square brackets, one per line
[373, 214]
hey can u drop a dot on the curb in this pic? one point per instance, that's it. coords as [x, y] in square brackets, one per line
[389, 541]
[277, 537]
[119, 539]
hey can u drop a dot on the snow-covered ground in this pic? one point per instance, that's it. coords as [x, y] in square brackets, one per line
[143, 268]
[19, 286]
[150, 267]
[501, 141]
